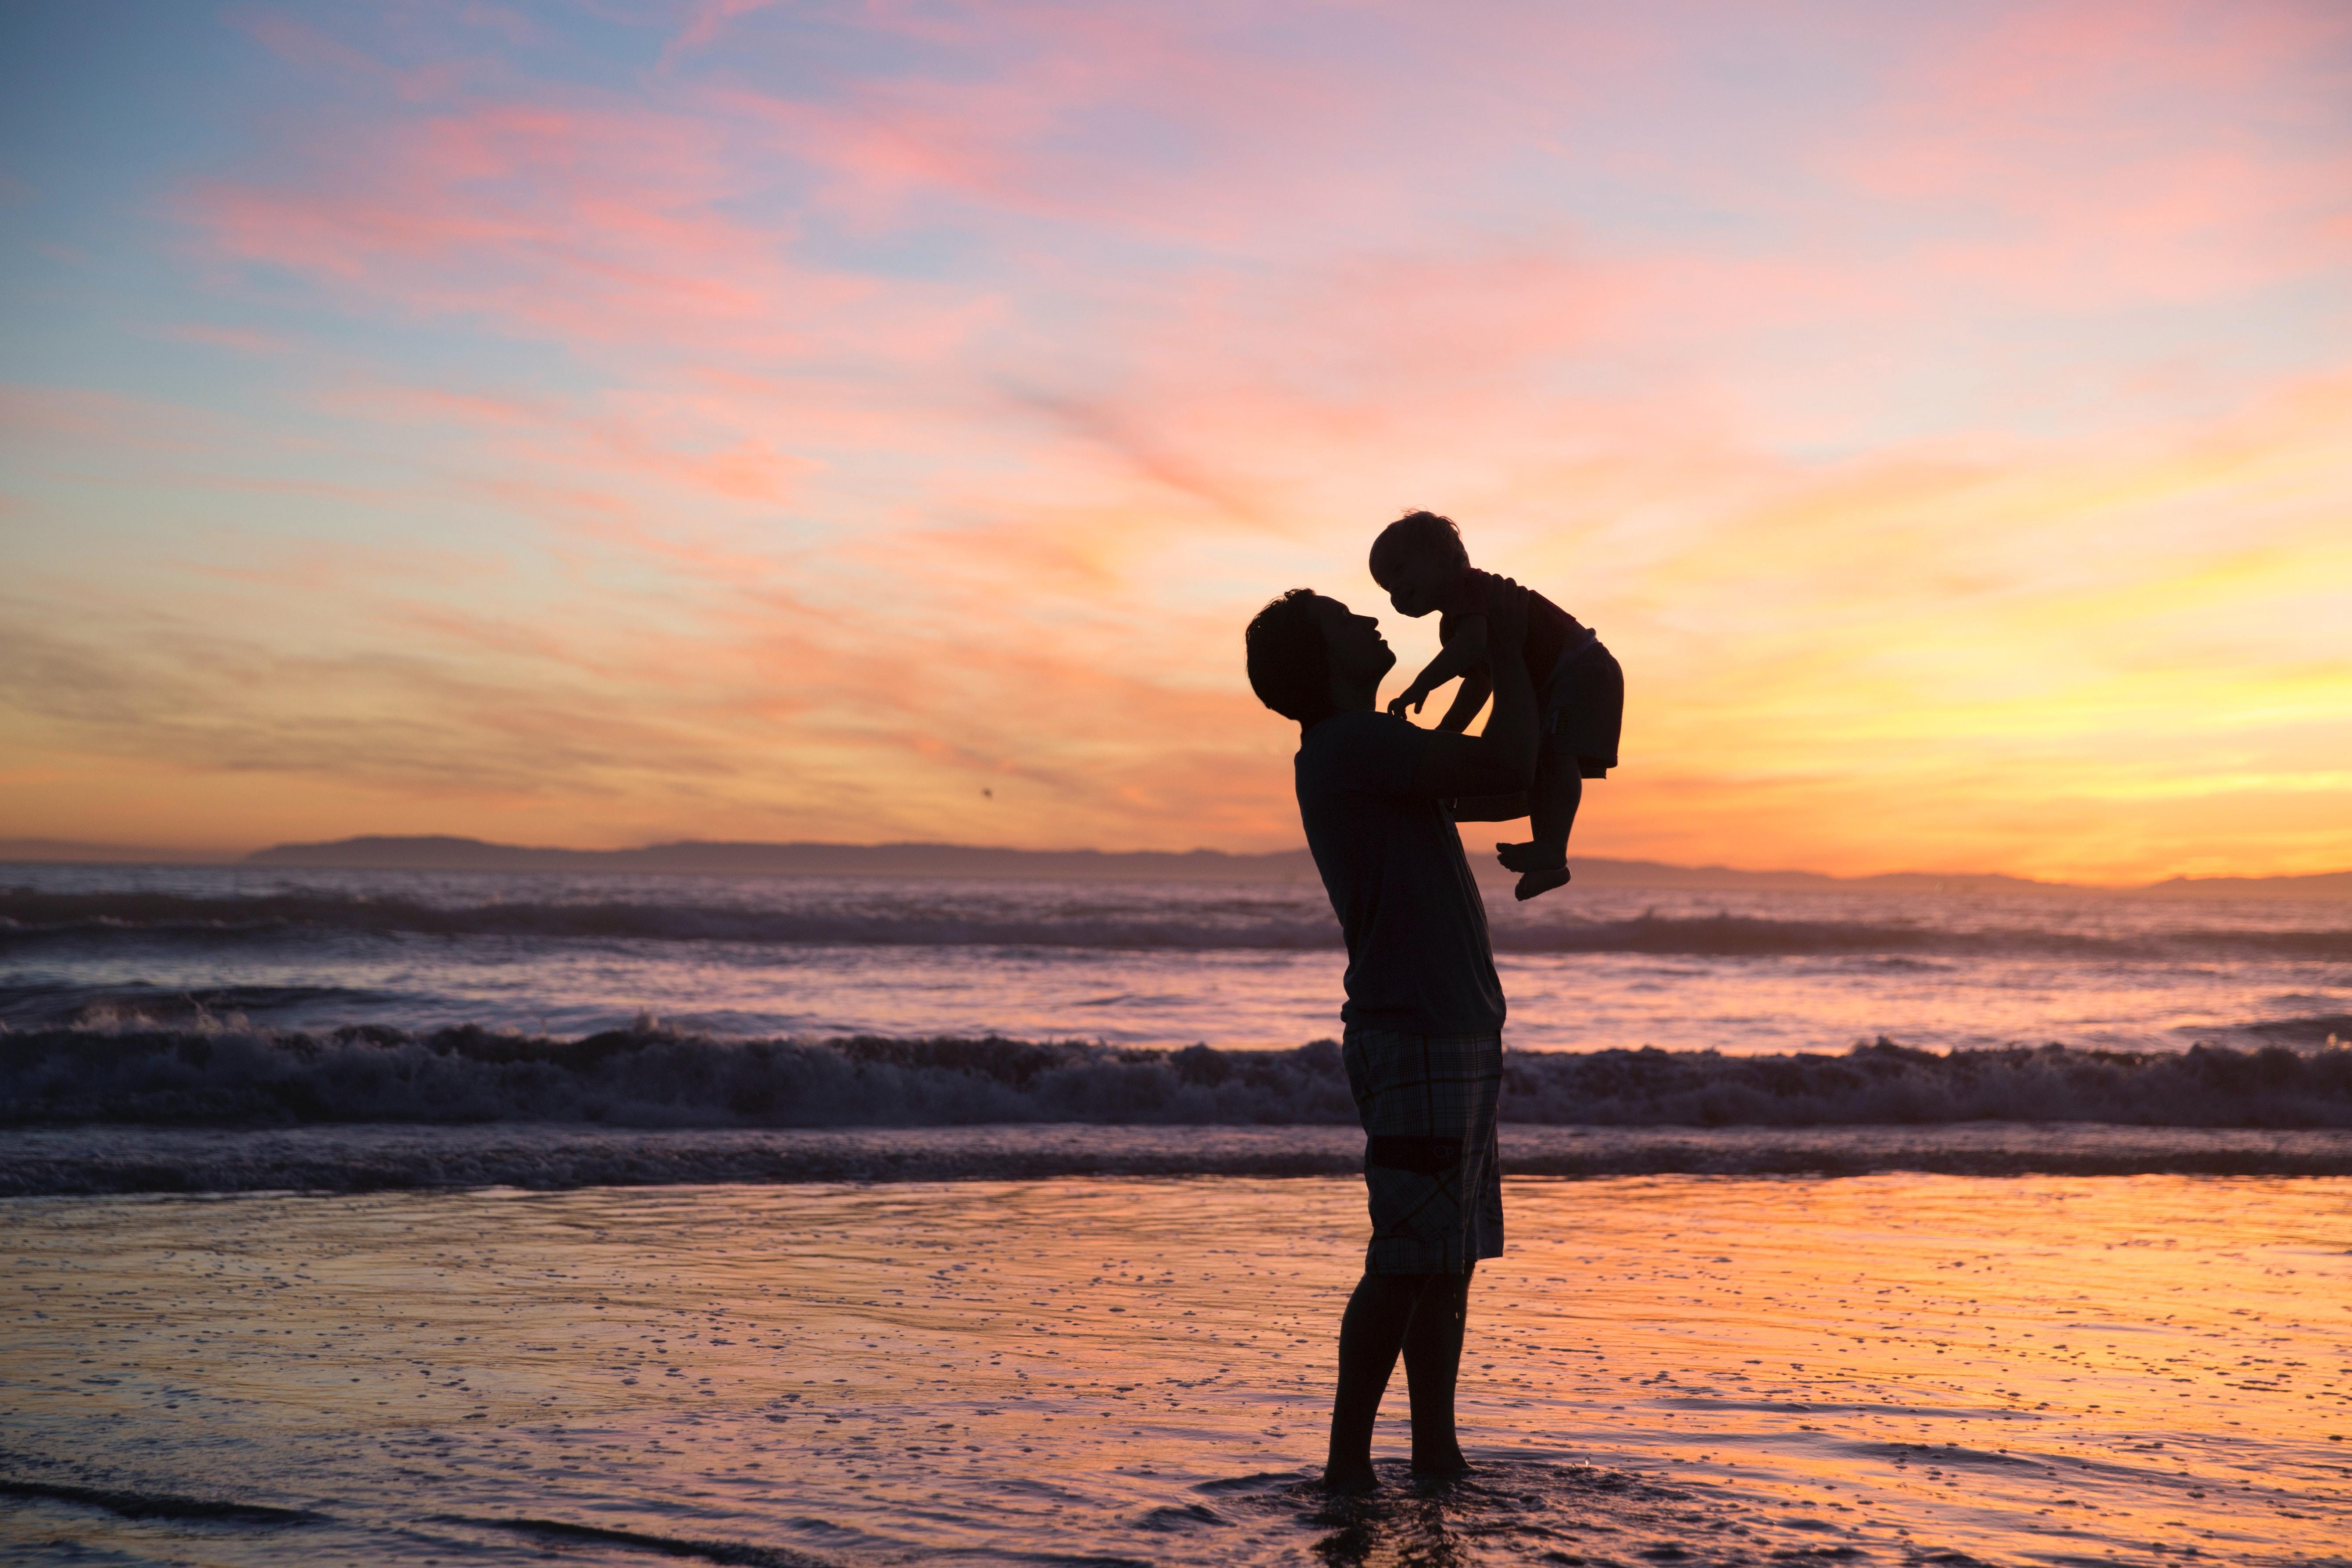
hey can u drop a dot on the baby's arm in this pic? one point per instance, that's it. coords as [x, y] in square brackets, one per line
[1464, 652]
[1477, 685]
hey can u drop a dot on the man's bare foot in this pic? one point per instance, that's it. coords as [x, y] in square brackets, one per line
[1350, 1478]
[1534, 884]
[1520, 857]
[1439, 1467]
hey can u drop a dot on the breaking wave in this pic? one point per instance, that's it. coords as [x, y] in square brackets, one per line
[553, 1156]
[32, 1003]
[652, 1077]
[31, 919]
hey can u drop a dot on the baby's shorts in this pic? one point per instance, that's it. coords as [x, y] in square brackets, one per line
[1582, 709]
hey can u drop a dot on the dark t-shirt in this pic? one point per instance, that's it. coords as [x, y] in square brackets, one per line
[1418, 958]
[1551, 631]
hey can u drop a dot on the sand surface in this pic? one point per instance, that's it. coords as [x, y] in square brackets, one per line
[1881, 1369]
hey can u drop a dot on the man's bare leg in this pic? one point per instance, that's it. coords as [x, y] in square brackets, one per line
[1375, 1328]
[1433, 1368]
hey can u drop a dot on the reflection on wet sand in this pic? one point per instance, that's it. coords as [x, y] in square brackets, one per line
[1688, 1369]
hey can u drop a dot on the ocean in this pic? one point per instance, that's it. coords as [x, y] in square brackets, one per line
[1158, 964]
[488, 1217]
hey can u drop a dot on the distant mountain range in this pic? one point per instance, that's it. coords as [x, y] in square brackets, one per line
[793, 860]
[447, 854]
[436, 853]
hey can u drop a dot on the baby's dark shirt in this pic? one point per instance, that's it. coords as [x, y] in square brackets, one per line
[1551, 631]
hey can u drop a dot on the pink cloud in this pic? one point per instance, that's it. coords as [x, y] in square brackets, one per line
[707, 20]
[2116, 152]
[107, 419]
[309, 49]
[628, 226]
[1204, 127]
[685, 449]
[343, 566]
[585, 225]
[243, 340]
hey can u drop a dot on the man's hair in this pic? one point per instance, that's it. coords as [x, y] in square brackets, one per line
[1289, 662]
[1417, 535]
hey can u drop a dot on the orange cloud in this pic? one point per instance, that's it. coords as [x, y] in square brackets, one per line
[759, 444]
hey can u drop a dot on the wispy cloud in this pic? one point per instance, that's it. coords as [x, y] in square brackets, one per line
[782, 420]
[243, 340]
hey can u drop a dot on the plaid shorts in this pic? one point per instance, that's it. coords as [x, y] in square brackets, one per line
[1431, 1160]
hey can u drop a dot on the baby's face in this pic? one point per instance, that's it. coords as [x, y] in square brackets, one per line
[1416, 585]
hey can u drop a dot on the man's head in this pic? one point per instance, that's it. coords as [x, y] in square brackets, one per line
[1310, 657]
[1416, 558]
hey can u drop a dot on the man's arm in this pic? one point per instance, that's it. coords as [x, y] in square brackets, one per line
[1501, 761]
[1462, 654]
[1491, 807]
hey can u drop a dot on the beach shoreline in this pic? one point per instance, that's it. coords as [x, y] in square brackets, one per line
[369, 1157]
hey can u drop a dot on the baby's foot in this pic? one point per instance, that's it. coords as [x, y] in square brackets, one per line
[1520, 857]
[1534, 884]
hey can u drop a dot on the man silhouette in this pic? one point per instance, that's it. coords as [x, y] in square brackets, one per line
[1423, 1015]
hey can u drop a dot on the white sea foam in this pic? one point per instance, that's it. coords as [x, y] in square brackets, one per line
[652, 1077]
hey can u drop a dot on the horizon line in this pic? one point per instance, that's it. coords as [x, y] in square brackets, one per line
[60, 851]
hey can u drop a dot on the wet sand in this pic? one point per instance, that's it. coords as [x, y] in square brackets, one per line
[1875, 1369]
[91, 1160]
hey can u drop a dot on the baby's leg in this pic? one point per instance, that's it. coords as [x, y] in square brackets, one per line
[1558, 790]
[1551, 806]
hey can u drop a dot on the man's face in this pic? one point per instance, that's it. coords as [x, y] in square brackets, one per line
[1357, 649]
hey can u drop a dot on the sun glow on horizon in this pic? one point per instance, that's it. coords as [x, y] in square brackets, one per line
[741, 420]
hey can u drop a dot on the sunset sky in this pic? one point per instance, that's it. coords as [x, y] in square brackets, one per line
[614, 421]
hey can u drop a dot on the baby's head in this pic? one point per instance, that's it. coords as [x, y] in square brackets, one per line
[1416, 558]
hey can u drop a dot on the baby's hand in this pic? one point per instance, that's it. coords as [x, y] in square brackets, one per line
[1412, 698]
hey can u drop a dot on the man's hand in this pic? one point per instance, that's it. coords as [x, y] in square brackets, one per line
[1412, 698]
[1506, 621]
[1501, 761]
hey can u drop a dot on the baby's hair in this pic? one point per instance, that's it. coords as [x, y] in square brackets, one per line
[1422, 534]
